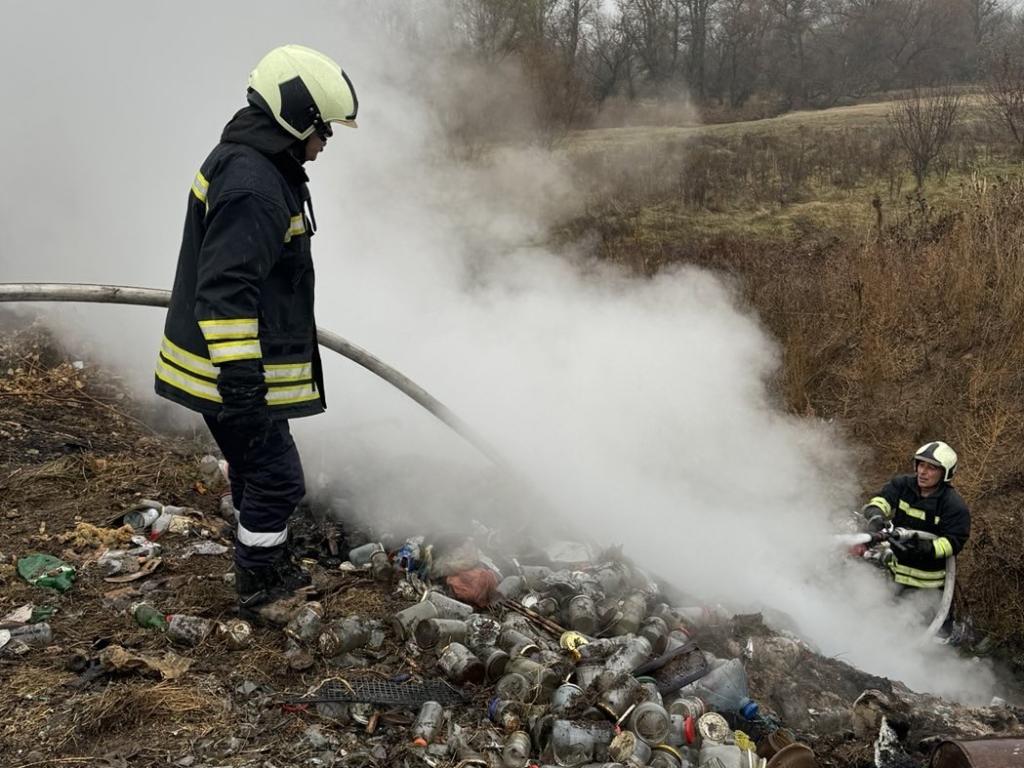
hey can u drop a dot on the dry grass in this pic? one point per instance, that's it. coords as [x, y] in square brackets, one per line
[124, 706]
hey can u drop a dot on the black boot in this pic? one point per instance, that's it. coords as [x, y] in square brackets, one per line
[267, 592]
[290, 574]
[258, 587]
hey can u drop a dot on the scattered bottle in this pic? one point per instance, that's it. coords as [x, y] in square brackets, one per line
[517, 750]
[149, 617]
[189, 630]
[35, 635]
[724, 689]
[427, 723]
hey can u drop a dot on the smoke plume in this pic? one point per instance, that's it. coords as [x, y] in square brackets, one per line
[639, 409]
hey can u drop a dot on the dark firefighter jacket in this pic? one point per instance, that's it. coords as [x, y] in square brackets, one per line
[243, 290]
[943, 513]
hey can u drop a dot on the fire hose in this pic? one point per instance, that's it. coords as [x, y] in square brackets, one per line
[902, 536]
[155, 297]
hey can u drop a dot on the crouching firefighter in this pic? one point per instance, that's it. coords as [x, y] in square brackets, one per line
[924, 501]
[239, 341]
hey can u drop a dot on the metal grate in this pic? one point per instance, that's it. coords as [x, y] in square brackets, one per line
[376, 691]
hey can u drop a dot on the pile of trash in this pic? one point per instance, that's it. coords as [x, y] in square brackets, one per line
[453, 652]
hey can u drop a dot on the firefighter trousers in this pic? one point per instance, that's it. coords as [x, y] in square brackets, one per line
[266, 486]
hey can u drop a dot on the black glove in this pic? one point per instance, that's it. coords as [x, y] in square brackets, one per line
[244, 393]
[875, 524]
[915, 546]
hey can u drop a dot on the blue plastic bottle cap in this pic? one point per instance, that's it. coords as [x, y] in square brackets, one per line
[749, 709]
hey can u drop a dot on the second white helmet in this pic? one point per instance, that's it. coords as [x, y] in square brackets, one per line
[940, 455]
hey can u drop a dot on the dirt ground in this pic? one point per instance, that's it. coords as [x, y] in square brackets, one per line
[75, 455]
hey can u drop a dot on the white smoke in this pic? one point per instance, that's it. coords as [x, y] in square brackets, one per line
[638, 408]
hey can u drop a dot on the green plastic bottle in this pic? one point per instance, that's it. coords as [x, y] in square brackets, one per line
[149, 617]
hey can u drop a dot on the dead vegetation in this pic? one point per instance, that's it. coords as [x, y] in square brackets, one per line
[903, 325]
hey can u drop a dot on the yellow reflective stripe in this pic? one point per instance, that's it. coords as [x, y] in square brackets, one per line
[238, 328]
[223, 351]
[186, 383]
[918, 513]
[906, 570]
[200, 186]
[882, 504]
[296, 227]
[943, 547]
[285, 372]
[912, 582]
[187, 360]
[289, 395]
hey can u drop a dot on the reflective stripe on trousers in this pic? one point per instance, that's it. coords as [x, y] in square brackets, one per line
[266, 485]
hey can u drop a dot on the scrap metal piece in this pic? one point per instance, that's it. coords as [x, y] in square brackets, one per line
[372, 690]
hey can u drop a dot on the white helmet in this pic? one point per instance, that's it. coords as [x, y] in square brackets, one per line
[938, 454]
[303, 90]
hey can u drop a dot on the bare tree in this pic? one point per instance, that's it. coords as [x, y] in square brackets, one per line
[794, 23]
[607, 62]
[923, 125]
[698, 16]
[652, 28]
[493, 28]
[1004, 93]
[982, 15]
[738, 39]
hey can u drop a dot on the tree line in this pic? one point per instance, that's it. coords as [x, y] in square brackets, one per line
[765, 56]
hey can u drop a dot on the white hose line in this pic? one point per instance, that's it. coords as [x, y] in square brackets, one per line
[155, 297]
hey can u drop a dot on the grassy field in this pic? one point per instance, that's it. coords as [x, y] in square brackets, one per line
[779, 179]
[900, 313]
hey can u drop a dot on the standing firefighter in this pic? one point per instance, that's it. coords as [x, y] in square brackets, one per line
[239, 341]
[925, 501]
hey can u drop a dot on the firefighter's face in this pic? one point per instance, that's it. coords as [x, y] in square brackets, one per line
[317, 141]
[928, 475]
